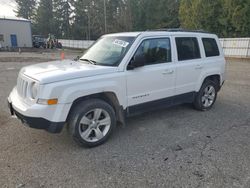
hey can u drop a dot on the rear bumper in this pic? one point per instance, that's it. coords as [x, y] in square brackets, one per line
[36, 122]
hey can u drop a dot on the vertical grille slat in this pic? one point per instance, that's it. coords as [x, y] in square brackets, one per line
[23, 91]
[22, 86]
[25, 88]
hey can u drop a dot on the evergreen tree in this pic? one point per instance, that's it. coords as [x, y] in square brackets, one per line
[235, 18]
[85, 19]
[138, 14]
[241, 18]
[148, 14]
[26, 8]
[119, 16]
[81, 19]
[62, 14]
[227, 18]
[163, 14]
[45, 22]
[200, 14]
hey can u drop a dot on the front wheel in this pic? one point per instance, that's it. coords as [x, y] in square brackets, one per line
[92, 122]
[207, 95]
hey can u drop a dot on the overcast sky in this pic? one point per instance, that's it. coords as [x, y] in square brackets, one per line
[7, 7]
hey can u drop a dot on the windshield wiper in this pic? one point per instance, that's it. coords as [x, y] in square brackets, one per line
[89, 61]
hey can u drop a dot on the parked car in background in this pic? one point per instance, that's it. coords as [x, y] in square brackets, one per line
[121, 75]
[38, 41]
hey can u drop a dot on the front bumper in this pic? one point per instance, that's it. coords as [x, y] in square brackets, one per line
[47, 117]
[37, 123]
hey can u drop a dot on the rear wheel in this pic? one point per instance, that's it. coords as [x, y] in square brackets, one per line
[207, 95]
[92, 122]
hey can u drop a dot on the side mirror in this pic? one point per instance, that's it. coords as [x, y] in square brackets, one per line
[137, 61]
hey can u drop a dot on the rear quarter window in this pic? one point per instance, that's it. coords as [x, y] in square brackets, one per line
[210, 47]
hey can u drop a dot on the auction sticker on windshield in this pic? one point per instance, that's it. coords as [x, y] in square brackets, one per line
[121, 43]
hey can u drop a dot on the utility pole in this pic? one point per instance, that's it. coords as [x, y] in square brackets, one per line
[105, 17]
[88, 33]
[89, 25]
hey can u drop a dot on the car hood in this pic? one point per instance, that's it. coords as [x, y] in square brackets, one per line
[56, 71]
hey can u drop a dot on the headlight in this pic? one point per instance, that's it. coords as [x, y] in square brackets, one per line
[33, 90]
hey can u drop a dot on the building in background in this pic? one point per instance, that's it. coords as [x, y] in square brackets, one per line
[15, 32]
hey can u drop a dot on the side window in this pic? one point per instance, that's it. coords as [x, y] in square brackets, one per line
[210, 47]
[187, 48]
[155, 51]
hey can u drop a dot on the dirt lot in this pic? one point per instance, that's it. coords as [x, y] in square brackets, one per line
[176, 147]
[38, 55]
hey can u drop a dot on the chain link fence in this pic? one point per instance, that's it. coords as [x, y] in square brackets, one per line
[236, 47]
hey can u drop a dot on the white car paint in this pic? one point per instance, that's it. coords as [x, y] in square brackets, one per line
[69, 80]
[56, 71]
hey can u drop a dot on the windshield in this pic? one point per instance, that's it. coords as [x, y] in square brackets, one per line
[108, 50]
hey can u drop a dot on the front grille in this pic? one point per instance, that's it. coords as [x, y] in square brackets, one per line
[22, 87]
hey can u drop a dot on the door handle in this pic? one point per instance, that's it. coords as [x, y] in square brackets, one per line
[168, 72]
[198, 67]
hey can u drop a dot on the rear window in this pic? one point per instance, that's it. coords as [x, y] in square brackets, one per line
[187, 48]
[210, 47]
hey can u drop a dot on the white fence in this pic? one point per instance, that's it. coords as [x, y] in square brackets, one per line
[79, 44]
[233, 47]
[236, 47]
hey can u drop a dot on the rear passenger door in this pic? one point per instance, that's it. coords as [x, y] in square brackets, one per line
[189, 64]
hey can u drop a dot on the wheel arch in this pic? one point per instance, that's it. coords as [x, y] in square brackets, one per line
[213, 77]
[109, 97]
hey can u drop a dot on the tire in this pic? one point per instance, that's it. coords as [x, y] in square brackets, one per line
[59, 45]
[91, 122]
[206, 96]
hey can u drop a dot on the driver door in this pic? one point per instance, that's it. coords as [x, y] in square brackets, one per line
[151, 85]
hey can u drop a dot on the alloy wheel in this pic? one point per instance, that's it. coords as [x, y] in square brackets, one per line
[94, 125]
[208, 96]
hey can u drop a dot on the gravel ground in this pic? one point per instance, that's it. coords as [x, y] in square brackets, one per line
[39, 55]
[176, 147]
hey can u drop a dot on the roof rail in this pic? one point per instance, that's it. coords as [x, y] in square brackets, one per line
[179, 30]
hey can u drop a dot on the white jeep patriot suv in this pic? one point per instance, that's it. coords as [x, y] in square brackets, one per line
[120, 75]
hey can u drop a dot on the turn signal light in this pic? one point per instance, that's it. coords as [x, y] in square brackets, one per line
[47, 101]
[52, 101]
